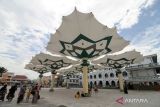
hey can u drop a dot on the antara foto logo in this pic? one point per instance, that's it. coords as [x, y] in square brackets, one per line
[122, 100]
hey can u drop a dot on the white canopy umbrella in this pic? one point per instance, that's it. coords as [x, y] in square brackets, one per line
[41, 69]
[53, 62]
[82, 36]
[38, 68]
[120, 60]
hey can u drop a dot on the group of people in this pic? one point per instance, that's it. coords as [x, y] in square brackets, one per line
[82, 94]
[24, 92]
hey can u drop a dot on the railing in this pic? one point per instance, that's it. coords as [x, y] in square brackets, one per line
[145, 78]
[141, 66]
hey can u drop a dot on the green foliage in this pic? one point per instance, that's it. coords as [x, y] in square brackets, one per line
[2, 70]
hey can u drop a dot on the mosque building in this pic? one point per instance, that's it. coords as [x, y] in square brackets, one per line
[144, 75]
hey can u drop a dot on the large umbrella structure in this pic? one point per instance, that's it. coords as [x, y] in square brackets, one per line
[82, 36]
[53, 62]
[119, 61]
[41, 69]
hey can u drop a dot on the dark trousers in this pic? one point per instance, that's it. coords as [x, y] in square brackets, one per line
[20, 98]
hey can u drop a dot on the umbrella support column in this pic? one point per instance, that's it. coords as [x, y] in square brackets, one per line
[40, 79]
[121, 80]
[85, 65]
[85, 79]
[52, 82]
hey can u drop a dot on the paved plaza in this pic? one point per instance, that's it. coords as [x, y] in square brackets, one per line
[104, 98]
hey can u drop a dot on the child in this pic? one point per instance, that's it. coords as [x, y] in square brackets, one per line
[28, 93]
[77, 96]
[96, 89]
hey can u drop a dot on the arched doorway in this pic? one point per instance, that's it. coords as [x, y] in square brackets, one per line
[80, 84]
[100, 75]
[111, 75]
[156, 83]
[117, 83]
[150, 84]
[100, 84]
[113, 83]
[106, 75]
[90, 76]
[116, 74]
[107, 84]
[91, 84]
[95, 83]
[124, 74]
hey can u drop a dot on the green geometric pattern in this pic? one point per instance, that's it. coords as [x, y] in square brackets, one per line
[119, 63]
[54, 65]
[41, 70]
[87, 48]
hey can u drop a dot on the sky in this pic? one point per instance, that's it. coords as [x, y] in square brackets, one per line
[25, 26]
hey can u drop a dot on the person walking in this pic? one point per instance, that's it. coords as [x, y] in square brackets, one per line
[3, 92]
[77, 95]
[35, 93]
[28, 93]
[89, 91]
[96, 89]
[125, 88]
[11, 93]
[21, 94]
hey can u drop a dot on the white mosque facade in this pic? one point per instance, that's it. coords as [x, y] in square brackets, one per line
[145, 73]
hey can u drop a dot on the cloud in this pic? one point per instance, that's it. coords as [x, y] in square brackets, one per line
[123, 13]
[17, 67]
[147, 42]
[25, 25]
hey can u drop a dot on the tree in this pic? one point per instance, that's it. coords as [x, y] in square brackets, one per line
[2, 70]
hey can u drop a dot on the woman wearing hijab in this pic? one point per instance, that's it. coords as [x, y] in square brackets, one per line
[11, 93]
[3, 91]
[21, 94]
